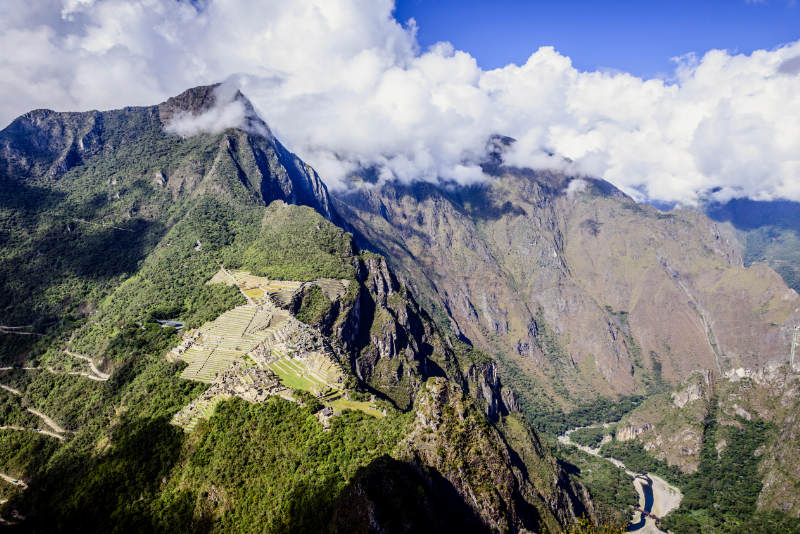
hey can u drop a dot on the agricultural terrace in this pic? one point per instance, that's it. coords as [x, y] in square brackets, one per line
[259, 349]
[216, 345]
[257, 288]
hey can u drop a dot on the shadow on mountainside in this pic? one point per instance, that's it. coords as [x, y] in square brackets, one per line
[746, 214]
[111, 492]
[401, 498]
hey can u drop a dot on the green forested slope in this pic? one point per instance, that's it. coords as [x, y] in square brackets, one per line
[110, 225]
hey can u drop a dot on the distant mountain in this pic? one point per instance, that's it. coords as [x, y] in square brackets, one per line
[768, 231]
[579, 291]
[320, 397]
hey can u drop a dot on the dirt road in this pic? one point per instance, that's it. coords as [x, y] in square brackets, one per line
[59, 437]
[100, 374]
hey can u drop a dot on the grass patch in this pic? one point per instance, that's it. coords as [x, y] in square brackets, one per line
[366, 407]
[291, 376]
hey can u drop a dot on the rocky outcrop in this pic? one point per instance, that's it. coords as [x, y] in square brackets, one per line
[451, 436]
[483, 382]
[627, 433]
[693, 391]
[380, 329]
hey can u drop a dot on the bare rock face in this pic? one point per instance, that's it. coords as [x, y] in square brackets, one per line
[693, 391]
[578, 287]
[627, 433]
[193, 101]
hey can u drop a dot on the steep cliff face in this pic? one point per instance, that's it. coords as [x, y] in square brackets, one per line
[574, 283]
[394, 346]
[467, 446]
[450, 435]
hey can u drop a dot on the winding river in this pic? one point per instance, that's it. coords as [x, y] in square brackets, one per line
[656, 496]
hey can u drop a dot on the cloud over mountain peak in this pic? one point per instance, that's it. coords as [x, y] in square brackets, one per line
[346, 86]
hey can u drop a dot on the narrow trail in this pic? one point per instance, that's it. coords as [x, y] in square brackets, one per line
[236, 283]
[103, 225]
[49, 422]
[656, 496]
[54, 371]
[11, 390]
[100, 374]
[57, 432]
[19, 330]
[50, 433]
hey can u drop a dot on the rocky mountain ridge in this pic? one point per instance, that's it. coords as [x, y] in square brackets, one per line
[572, 284]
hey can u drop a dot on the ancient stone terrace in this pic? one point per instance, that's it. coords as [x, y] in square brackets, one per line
[250, 383]
[259, 289]
[259, 349]
[214, 347]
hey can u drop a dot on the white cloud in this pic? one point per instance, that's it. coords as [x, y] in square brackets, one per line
[576, 186]
[229, 110]
[343, 84]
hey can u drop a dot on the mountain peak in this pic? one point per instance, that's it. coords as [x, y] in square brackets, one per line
[211, 109]
[195, 101]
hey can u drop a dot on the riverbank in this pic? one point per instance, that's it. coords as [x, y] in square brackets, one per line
[656, 496]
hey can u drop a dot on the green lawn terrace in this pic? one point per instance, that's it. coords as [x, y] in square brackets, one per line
[368, 407]
[258, 289]
[262, 290]
[314, 373]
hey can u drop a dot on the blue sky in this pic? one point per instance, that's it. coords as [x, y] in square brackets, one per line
[638, 37]
[345, 86]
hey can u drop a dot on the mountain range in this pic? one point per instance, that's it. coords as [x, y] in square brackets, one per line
[216, 341]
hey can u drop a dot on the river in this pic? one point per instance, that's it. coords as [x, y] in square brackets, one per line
[656, 496]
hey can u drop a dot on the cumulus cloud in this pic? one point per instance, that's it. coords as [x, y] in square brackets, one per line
[345, 86]
[790, 66]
